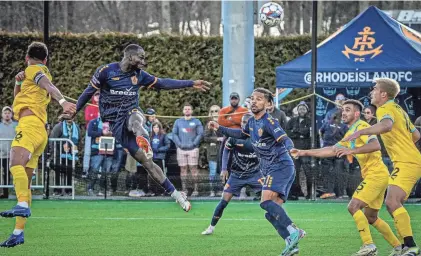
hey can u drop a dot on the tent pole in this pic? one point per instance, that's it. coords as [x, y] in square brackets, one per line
[313, 98]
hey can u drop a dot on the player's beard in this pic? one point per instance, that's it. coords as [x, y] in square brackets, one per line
[256, 110]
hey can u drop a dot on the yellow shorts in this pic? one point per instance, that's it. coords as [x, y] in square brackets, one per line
[405, 176]
[31, 135]
[372, 190]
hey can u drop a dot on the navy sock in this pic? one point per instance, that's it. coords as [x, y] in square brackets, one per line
[168, 186]
[277, 212]
[217, 214]
[282, 231]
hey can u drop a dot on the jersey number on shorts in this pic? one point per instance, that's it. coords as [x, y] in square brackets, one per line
[360, 187]
[394, 174]
[268, 181]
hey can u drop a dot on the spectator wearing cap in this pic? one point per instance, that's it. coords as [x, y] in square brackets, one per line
[7, 131]
[298, 129]
[339, 100]
[151, 118]
[230, 116]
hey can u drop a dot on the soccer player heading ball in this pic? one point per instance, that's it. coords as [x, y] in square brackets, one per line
[272, 147]
[119, 85]
[32, 94]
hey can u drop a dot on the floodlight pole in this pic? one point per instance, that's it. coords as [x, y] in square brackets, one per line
[313, 98]
[46, 37]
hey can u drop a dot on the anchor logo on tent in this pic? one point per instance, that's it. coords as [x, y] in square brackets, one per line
[363, 46]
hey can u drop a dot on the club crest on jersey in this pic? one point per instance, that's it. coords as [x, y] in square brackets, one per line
[134, 80]
[260, 132]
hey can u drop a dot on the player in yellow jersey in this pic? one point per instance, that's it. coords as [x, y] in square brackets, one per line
[30, 109]
[368, 197]
[399, 136]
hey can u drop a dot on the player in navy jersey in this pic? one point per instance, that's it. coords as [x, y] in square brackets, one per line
[119, 85]
[272, 147]
[244, 171]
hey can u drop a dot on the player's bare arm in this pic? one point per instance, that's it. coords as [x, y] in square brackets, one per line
[383, 126]
[321, 152]
[370, 147]
[416, 136]
[19, 79]
[68, 107]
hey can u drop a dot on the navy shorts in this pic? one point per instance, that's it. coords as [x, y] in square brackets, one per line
[279, 179]
[235, 183]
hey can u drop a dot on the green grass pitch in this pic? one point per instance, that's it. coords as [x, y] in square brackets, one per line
[162, 228]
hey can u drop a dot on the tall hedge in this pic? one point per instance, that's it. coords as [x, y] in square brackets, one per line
[74, 58]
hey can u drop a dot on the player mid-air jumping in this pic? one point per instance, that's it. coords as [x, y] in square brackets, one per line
[119, 85]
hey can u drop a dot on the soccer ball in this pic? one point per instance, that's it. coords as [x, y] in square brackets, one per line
[271, 14]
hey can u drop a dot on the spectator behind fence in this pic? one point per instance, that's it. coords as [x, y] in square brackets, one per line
[187, 133]
[151, 118]
[339, 100]
[160, 144]
[231, 116]
[92, 111]
[213, 143]
[7, 131]
[331, 133]
[62, 164]
[298, 129]
[278, 114]
[99, 163]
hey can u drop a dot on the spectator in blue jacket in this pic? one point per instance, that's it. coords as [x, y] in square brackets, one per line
[101, 163]
[160, 144]
[187, 133]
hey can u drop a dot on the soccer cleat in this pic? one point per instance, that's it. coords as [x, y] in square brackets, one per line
[287, 252]
[367, 250]
[181, 199]
[13, 241]
[412, 251]
[208, 231]
[17, 211]
[397, 251]
[294, 238]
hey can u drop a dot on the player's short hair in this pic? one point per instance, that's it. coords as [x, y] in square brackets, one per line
[267, 94]
[390, 86]
[356, 103]
[37, 50]
[187, 105]
[132, 49]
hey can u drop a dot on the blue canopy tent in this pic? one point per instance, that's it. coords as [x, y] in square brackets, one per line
[370, 46]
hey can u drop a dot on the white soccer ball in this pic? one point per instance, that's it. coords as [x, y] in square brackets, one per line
[271, 14]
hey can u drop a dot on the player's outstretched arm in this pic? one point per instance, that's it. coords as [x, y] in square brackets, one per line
[229, 132]
[371, 146]
[321, 152]
[85, 97]
[169, 84]
[68, 107]
[381, 127]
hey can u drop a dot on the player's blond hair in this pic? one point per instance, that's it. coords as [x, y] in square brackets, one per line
[390, 86]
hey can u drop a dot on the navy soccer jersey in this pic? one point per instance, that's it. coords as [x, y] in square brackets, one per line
[244, 160]
[269, 141]
[119, 93]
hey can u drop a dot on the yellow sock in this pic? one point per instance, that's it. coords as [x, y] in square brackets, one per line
[20, 221]
[363, 227]
[402, 222]
[387, 232]
[399, 234]
[20, 180]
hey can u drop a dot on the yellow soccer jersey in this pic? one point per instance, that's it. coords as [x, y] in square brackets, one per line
[31, 95]
[398, 141]
[370, 163]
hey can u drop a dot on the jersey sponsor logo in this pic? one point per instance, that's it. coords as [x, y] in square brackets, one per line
[134, 80]
[127, 92]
